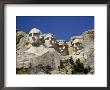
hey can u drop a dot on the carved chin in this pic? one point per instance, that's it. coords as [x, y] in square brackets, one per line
[60, 45]
[31, 41]
[49, 45]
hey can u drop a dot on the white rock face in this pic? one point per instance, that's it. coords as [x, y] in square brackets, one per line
[50, 41]
[37, 55]
[89, 48]
[84, 48]
[37, 50]
[34, 35]
[21, 42]
[40, 50]
[77, 42]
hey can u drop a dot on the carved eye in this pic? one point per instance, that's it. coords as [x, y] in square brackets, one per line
[52, 38]
[47, 38]
[30, 34]
[78, 43]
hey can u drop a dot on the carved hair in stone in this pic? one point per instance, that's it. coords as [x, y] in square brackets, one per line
[50, 41]
[35, 37]
[77, 43]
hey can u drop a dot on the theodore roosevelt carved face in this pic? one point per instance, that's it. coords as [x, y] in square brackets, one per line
[62, 46]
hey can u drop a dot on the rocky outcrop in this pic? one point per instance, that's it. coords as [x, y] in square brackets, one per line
[47, 52]
[84, 48]
[21, 42]
[88, 43]
[48, 58]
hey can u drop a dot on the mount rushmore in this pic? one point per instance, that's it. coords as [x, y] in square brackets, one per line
[38, 53]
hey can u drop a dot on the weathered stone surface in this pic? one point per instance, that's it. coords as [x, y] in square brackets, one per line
[47, 51]
[88, 37]
[85, 51]
[19, 35]
[37, 56]
[22, 42]
[70, 47]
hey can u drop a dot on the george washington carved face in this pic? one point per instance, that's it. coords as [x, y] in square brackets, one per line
[34, 35]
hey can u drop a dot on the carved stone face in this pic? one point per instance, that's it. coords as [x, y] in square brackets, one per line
[63, 50]
[77, 44]
[61, 45]
[61, 42]
[34, 35]
[49, 40]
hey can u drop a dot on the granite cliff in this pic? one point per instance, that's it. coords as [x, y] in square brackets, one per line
[38, 53]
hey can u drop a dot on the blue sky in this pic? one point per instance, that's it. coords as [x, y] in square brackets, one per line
[63, 27]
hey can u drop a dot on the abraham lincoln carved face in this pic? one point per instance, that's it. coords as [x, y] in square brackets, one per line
[77, 44]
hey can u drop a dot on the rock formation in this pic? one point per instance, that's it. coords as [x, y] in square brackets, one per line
[38, 53]
[62, 47]
[84, 48]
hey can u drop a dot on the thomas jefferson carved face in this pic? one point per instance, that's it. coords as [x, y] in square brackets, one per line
[34, 35]
[49, 40]
[61, 43]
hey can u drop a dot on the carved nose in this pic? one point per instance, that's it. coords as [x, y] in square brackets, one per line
[33, 38]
